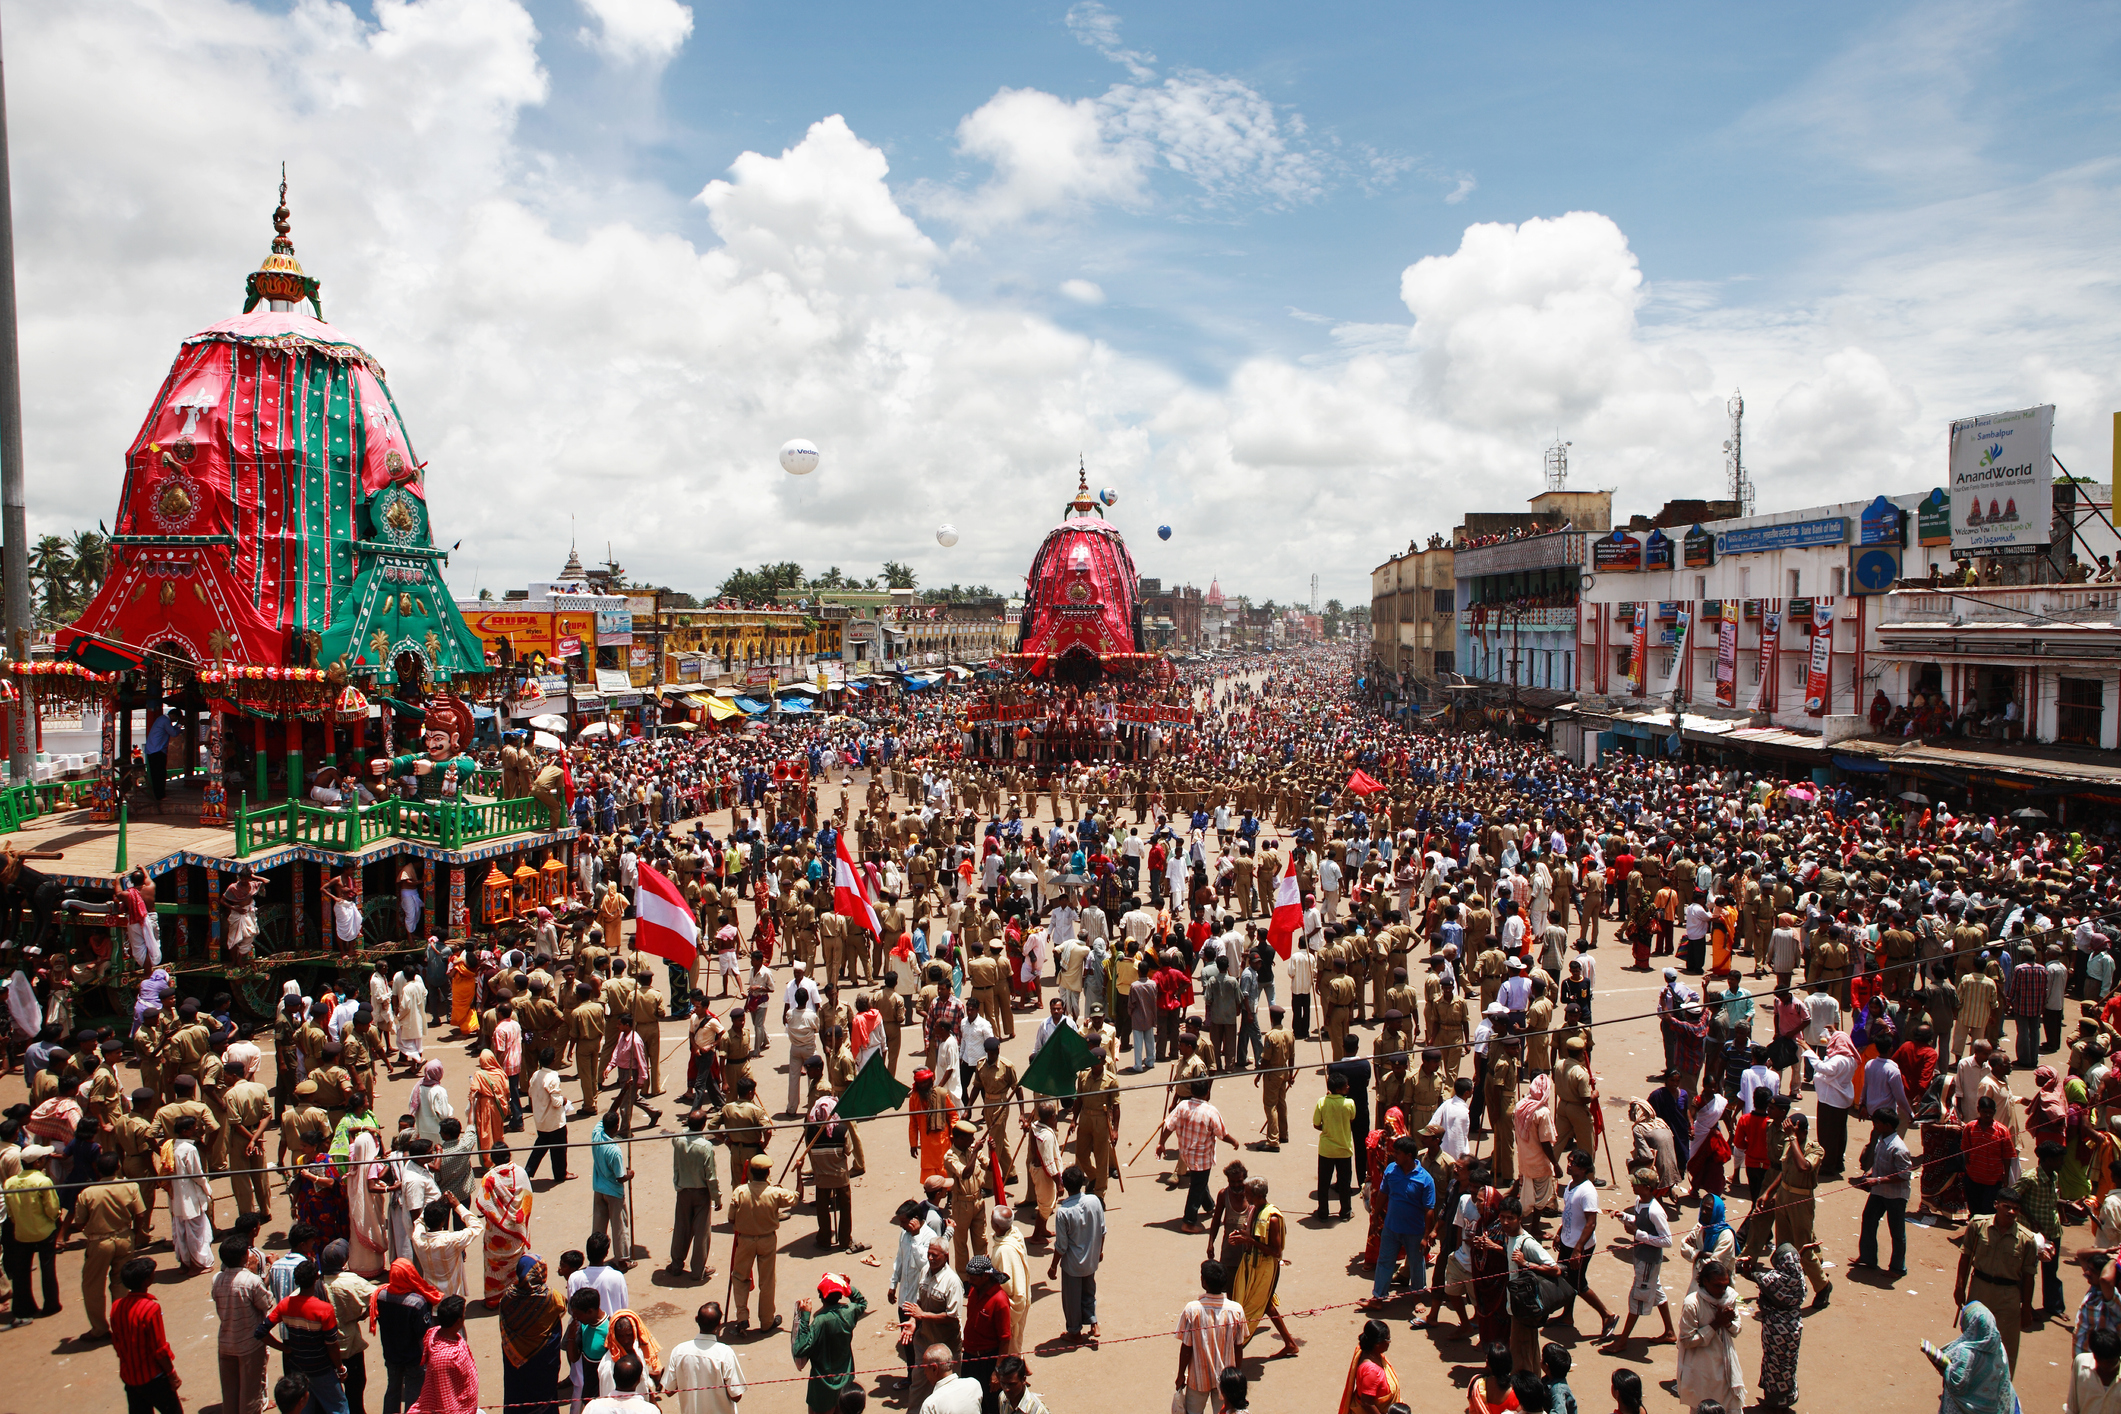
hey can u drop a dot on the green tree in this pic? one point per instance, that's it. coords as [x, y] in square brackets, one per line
[91, 553]
[834, 578]
[762, 584]
[956, 594]
[1331, 617]
[51, 567]
[899, 576]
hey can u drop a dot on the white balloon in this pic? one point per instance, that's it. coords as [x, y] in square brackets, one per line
[946, 536]
[799, 457]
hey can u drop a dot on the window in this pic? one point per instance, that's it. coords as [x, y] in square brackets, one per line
[1745, 582]
[1701, 587]
[1446, 601]
[1446, 660]
[2078, 704]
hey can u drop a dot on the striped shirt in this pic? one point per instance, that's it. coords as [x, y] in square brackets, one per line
[1210, 1329]
[1197, 1126]
[136, 1334]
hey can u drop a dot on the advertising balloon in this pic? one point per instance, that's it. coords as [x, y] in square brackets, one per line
[946, 536]
[1163, 532]
[799, 457]
[1108, 496]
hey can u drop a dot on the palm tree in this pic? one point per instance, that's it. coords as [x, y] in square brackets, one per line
[91, 556]
[51, 564]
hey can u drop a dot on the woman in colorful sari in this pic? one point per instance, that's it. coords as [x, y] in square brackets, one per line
[2047, 1115]
[489, 1100]
[1976, 1368]
[533, 1317]
[463, 987]
[1781, 1327]
[1372, 1386]
[1263, 1236]
[2088, 1151]
[320, 1200]
[504, 1203]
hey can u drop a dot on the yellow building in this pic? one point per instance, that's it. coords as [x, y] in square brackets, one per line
[726, 647]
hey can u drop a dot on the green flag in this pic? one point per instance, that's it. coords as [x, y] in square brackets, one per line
[873, 1091]
[1052, 1071]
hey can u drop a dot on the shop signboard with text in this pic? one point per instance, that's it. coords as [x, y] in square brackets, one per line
[2002, 479]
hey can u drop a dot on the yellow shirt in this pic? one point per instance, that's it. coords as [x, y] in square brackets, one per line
[33, 1209]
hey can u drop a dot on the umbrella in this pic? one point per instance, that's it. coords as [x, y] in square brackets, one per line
[1914, 797]
[549, 722]
[595, 729]
[2028, 813]
[547, 741]
[1071, 881]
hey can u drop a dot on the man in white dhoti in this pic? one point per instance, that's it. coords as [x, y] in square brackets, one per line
[1708, 1343]
[409, 995]
[191, 1226]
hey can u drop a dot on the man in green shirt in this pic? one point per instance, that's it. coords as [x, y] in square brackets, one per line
[33, 1213]
[699, 1195]
[824, 1339]
[1334, 1119]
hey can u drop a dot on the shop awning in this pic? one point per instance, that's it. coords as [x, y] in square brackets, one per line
[721, 709]
[751, 706]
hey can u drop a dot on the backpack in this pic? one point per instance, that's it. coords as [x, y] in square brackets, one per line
[1527, 1298]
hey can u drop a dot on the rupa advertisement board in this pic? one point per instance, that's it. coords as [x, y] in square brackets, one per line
[2002, 478]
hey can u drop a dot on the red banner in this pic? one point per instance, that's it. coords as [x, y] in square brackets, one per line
[1639, 658]
[1770, 642]
[1818, 684]
[1727, 655]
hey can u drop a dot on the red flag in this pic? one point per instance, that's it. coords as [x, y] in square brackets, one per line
[567, 778]
[849, 898]
[1288, 916]
[1362, 783]
[662, 924]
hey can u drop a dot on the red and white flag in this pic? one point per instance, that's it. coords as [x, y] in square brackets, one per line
[1288, 918]
[849, 898]
[662, 924]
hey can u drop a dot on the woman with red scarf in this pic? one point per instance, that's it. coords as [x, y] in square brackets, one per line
[1393, 1124]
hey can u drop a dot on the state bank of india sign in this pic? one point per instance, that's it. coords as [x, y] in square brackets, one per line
[2002, 479]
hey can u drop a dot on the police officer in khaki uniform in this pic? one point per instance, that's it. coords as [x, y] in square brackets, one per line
[1424, 1090]
[968, 1210]
[1574, 1094]
[111, 1217]
[756, 1212]
[998, 1087]
[1450, 1022]
[1096, 1121]
[744, 1128]
[647, 1011]
[1277, 1056]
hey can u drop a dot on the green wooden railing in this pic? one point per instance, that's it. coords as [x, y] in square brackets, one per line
[343, 830]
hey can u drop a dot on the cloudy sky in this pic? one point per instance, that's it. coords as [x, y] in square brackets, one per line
[1301, 282]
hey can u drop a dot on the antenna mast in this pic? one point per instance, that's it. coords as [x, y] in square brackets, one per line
[1558, 464]
[1737, 482]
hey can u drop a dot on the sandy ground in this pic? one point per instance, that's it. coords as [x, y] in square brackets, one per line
[1863, 1349]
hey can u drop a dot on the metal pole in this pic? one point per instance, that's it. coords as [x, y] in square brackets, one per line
[14, 509]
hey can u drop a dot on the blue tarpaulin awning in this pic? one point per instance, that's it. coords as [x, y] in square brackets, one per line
[1863, 764]
[752, 706]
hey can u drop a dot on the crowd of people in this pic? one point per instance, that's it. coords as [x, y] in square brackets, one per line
[1427, 908]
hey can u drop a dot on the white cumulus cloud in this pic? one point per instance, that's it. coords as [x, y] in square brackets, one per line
[636, 31]
[1083, 291]
[570, 363]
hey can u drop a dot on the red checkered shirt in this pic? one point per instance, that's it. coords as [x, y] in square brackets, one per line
[1197, 1126]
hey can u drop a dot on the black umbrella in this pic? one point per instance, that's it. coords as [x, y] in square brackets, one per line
[1914, 797]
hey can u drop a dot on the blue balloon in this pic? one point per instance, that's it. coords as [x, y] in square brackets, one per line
[1163, 532]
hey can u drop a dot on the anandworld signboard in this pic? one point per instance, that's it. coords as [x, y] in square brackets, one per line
[2002, 478]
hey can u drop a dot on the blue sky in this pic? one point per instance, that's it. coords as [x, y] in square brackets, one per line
[1305, 282]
